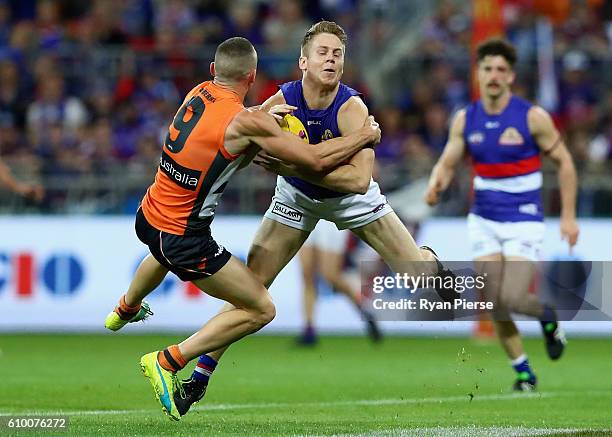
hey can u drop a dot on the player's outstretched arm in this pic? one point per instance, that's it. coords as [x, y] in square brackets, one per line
[550, 142]
[444, 170]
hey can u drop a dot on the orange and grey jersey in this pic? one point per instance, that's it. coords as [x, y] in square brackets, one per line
[194, 167]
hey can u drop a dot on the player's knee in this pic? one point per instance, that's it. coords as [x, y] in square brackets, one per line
[268, 313]
[264, 314]
[510, 301]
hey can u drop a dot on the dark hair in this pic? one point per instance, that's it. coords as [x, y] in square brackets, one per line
[323, 27]
[235, 58]
[497, 47]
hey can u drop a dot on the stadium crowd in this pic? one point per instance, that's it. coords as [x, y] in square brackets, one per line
[88, 88]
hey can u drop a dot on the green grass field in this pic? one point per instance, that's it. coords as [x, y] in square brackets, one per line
[344, 386]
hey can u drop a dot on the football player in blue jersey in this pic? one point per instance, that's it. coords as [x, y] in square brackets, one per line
[346, 196]
[505, 137]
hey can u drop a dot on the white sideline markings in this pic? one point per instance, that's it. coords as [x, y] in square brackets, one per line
[366, 402]
[477, 431]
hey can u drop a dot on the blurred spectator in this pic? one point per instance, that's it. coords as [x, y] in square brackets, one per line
[90, 87]
[577, 95]
[97, 147]
[391, 147]
[12, 96]
[447, 32]
[53, 107]
[435, 128]
[5, 24]
[127, 130]
[284, 30]
[244, 20]
[50, 31]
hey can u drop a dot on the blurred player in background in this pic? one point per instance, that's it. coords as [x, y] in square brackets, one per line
[29, 191]
[346, 196]
[323, 255]
[209, 139]
[505, 135]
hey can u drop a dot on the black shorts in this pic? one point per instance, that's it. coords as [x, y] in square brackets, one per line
[188, 257]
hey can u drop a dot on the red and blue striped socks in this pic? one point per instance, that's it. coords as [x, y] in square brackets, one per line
[204, 369]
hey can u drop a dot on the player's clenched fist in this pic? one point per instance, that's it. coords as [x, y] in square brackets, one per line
[374, 129]
[431, 195]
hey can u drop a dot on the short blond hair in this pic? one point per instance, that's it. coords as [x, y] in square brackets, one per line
[323, 27]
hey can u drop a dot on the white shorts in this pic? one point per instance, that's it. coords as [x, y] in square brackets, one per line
[293, 208]
[328, 238]
[523, 239]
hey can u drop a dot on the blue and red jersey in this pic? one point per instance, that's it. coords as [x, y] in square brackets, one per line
[506, 159]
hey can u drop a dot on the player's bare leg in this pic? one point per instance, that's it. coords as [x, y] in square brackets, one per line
[274, 245]
[131, 307]
[507, 332]
[252, 310]
[389, 237]
[307, 257]
[517, 279]
[330, 265]
[149, 274]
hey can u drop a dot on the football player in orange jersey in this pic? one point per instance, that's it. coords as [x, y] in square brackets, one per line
[346, 196]
[209, 139]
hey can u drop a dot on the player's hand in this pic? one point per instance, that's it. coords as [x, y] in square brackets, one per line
[274, 165]
[279, 111]
[569, 231]
[432, 194]
[31, 192]
[373, 129]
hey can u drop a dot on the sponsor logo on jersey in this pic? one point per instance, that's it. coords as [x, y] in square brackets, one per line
[476, 137]
[327, 135]
[529, 208]
[311, 122]
[287, 212]
[511, 137]
[182, 176]
[492, 124]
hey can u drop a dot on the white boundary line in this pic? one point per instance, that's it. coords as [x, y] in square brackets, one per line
[365, 402]
[476, 431]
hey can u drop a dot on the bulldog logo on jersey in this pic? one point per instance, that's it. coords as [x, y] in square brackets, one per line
[476, 137]
[511, 137]
[327, 135]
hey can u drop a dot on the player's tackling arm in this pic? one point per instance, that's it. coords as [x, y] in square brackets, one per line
[351, 177]
[550, 142]
[260, 128]
[444, 170]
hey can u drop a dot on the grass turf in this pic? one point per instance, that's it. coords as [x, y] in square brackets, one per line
[267, 386]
